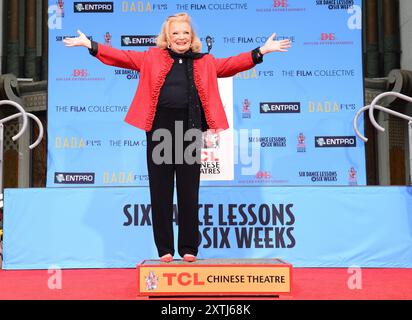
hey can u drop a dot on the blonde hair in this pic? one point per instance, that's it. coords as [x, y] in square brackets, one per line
[162, 40]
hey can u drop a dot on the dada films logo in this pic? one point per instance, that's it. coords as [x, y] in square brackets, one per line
[74, 177]
[335, 142]
[93, 7]
[138, 41]
[143, 6]
[280, 107]
[329, 106]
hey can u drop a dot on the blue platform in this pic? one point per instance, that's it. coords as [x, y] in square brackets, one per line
[306, 226]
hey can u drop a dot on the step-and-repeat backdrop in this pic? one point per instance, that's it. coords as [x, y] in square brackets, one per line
[291, 116]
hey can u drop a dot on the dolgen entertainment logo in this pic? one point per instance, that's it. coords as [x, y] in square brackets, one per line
[87, 7]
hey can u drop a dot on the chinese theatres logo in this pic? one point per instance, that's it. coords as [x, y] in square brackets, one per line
[301, 147]
[246, 109]
[353, 179]
[108, 39]
[151, 281]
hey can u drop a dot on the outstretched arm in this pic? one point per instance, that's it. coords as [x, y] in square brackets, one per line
[227, 67]
[272, 45]
[80, 41]
[120, 58]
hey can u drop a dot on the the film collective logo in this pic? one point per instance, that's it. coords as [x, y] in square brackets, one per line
[74, 177]
[335, 141]
[90, 7]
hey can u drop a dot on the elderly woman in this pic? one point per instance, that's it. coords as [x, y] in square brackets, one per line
[177, 92]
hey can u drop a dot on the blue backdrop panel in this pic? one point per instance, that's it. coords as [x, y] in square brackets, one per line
[321, 75]
[307, 226]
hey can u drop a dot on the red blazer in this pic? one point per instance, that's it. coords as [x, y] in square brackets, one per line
[154, 64]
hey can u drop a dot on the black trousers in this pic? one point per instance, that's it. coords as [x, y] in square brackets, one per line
[161, 181]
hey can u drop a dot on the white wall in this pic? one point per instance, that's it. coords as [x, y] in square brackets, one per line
[405, 8]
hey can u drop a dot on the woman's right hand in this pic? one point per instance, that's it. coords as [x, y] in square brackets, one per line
[81, 40]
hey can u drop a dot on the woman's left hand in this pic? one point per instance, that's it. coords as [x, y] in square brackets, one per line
[272, 45]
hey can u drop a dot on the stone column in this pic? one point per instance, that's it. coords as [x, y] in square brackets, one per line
[391, 46]
[13, 37]
[372, 39]
[30, 40]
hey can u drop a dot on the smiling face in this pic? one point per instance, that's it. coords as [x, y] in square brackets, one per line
[180, 36]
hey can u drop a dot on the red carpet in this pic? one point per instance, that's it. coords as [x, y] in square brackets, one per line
[102, 284]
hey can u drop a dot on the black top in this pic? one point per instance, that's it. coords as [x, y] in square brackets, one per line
[175, 90]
